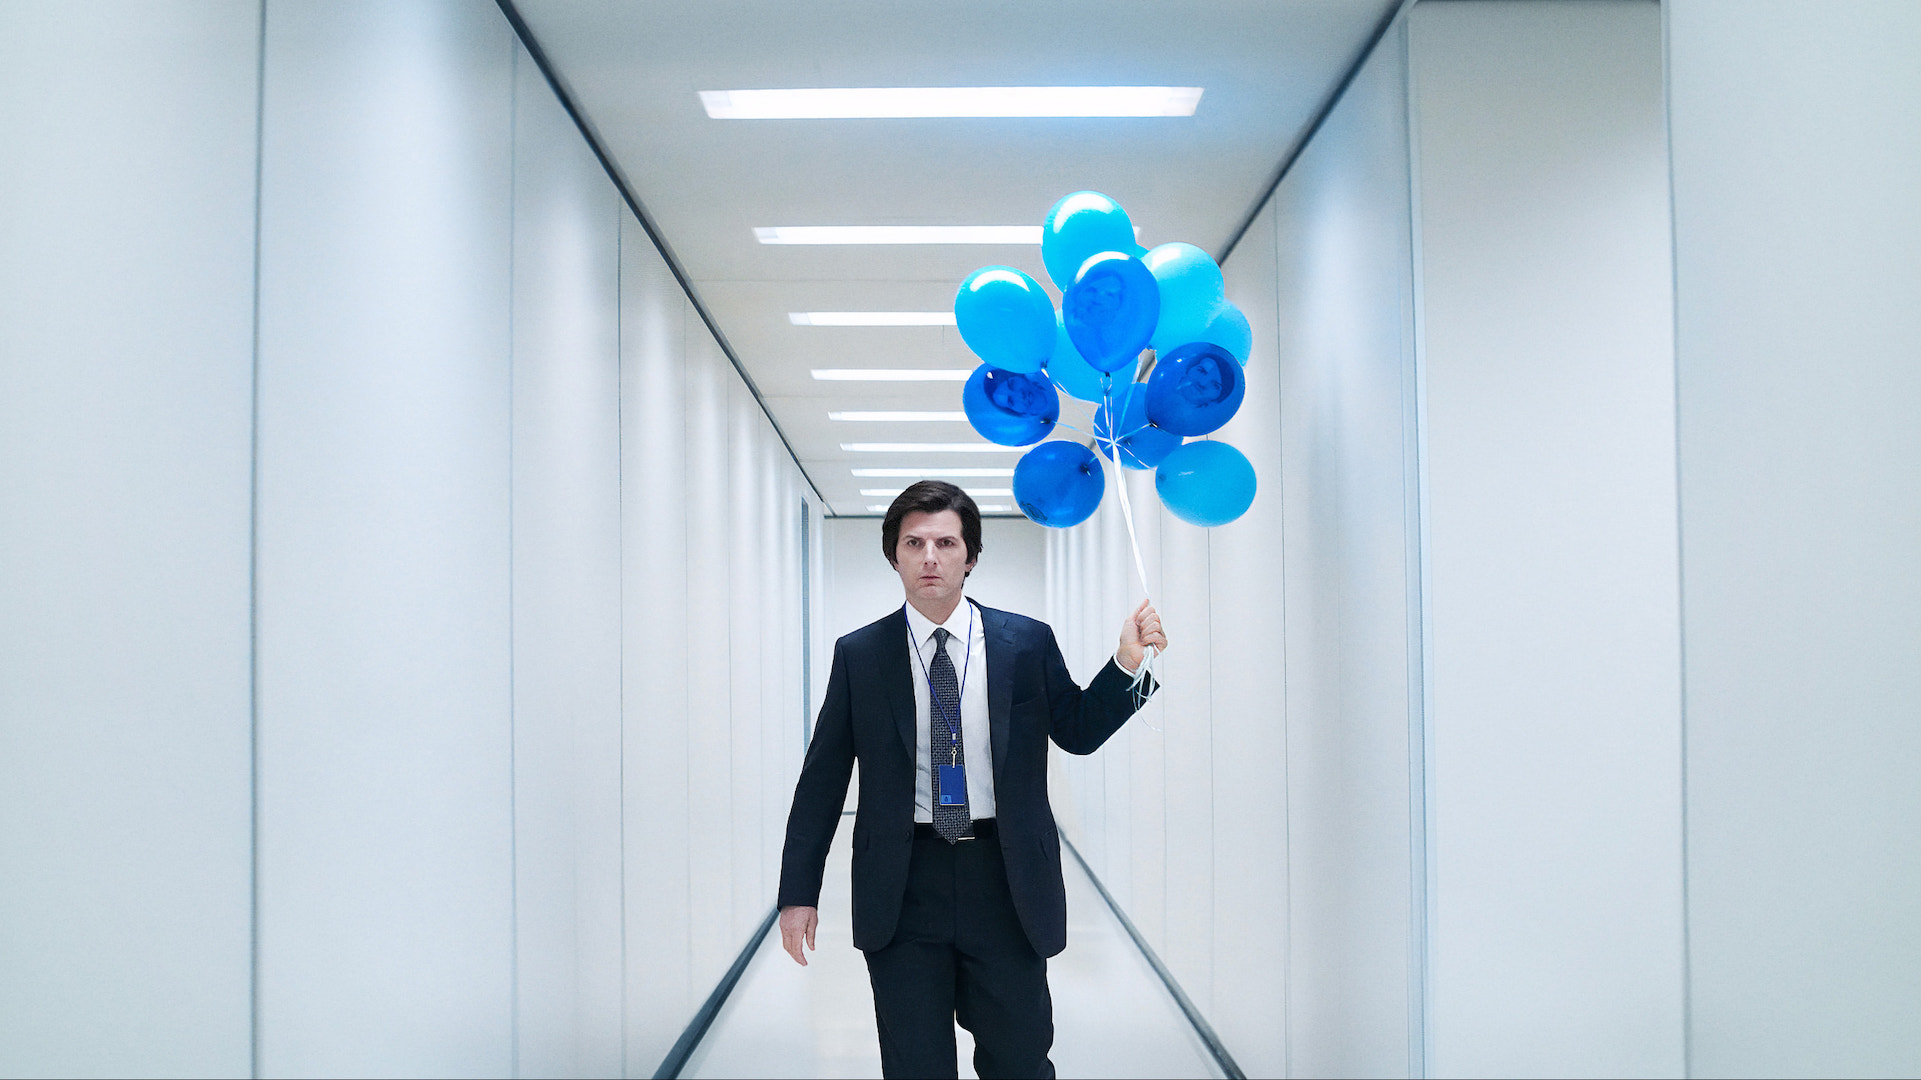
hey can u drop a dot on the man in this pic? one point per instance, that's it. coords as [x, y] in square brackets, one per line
[948, 707]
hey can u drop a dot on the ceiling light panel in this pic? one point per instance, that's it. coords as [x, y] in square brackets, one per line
[892, 374]
[902, 102]
[929, 448]
[871, 318]
[916, 474]
[978, 493]
[898, 234]
[899, 417]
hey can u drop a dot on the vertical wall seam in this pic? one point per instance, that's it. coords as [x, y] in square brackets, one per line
[620, 590]
[513, 775]
[1421, 733]
[1680, 550]
[253, 569]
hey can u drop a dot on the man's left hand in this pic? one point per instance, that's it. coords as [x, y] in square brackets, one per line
[1143, 628]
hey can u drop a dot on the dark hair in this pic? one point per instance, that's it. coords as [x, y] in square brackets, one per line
[931, 497]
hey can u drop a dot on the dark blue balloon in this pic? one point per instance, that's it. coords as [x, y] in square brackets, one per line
[1058, 484]
[1205, 483]
[1195, 389]
[1142, 445]
[1111, 310]
[1010, 408]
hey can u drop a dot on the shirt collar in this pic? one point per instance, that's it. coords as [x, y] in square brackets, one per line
[923, 627]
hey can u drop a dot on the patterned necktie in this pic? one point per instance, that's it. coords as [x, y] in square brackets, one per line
[944, 739]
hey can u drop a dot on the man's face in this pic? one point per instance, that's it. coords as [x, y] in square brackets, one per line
[931, 558]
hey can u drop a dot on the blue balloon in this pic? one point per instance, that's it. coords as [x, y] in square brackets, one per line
[1058, 484]
[1010, 408]
[1006, 318]
[1070, 370]
[1142, 445]
[1228, 329]
[1111, 310]
[1195, 389]
[1191, 288]
[1205, 483]
[1078, 226]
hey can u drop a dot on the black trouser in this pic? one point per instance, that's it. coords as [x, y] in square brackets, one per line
[959, 953]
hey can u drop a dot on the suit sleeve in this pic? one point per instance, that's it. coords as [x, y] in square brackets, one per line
[1084, 719]
[820, 794]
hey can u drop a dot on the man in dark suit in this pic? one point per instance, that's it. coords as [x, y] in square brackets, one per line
[948, 706]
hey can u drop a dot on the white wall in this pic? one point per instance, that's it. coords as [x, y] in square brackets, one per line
[498, 657]
[1498, 893]
[126, 295]
[1797, 158]
[1550, 538]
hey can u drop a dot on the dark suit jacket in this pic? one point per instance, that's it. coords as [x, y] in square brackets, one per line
[869, 715]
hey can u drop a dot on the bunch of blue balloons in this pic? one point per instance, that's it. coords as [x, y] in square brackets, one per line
[1118, 299]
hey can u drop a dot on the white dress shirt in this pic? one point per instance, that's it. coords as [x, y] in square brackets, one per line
[967, 648]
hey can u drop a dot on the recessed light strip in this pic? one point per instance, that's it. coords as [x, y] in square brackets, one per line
[929, 448]
[871, 318]
[985, 508]
[904, 102]
[898, 234]
[916, 474]
[899, 417]
[892, 374]
[978, 493]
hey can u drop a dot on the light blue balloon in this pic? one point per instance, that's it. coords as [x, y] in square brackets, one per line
[1228, 329]
[1070, 370]
[1142, 445]
[1010, 408]
[1006, 318]
[1080, 225]
[1058, 484]
[1191, 289]
[1205, 483]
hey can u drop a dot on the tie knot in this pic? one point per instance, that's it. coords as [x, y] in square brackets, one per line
[940, 637]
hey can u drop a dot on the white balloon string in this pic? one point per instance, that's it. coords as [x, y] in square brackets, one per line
[1150, 653]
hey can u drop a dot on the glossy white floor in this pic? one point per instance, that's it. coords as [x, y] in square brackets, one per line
[1112, 1016]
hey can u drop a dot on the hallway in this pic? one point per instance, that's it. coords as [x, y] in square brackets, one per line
[1112, 1014]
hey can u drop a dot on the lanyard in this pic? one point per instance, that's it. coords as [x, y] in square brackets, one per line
[953, 722]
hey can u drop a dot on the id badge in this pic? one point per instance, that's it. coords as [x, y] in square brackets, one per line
[953, 785]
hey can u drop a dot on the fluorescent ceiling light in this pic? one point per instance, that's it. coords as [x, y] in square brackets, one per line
[929, 448]
[897, 102]
[892, 374]
[898, 417]
[918, 473]
[994, 508]
[871, 318]
[978, 493]
[898, 234]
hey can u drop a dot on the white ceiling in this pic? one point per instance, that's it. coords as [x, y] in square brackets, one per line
[634, 69]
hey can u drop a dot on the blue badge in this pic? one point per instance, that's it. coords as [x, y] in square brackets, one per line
[953, 785]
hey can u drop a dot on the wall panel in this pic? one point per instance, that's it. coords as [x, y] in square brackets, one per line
[567, 588]
[1797, 154]
[125, 426]
[385, 850]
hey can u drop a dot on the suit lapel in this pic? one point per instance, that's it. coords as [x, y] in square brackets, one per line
[897, 675]
[1000, 679]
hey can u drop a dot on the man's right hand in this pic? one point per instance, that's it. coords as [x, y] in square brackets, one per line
[796, 925]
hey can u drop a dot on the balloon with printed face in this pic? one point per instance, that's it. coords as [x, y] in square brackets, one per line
[1229, 329]
[1070, 370]
[1058, 484]
[1078, 226]
[1191, 288]
[1111, 310]
[1010, 408]
[1206, 483]
[1142, 445]
[1195, 389]
[1006, 318]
